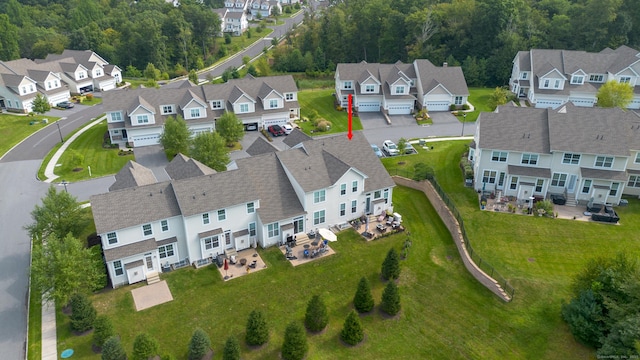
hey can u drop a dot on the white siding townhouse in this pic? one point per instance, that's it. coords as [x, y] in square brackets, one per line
[551, 78]
[317, 183]
[587, 154]
[400, 88]
[137, 116]
[55, 77]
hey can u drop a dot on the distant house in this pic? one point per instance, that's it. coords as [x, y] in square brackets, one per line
[264, 7]
[551, 78]
[318, 183]
[136, 117]
[56, 78]
[586, 154]
[400, 88]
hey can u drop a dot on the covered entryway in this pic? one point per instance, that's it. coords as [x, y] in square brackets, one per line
[369, 107]
[135, 271]
[146, 140]
[437, 106]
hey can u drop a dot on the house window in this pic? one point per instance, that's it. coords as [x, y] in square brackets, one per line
[117, 268]
[251, 208]
[146, 230]
[252, 229]
[348, 85]
[167, 109]
[98, 72]
[577, 79]
[637, 160]
[614, 189]
[489, 176]
[211, 242]
[343, 189]
[227, 238]
[514, 183]
[166, 251]
[31, 88]
[625, 79]
[634, 181]
[319, 196]
[273, 230]
[531, 159]
[354, 206]
[48, 84]
[400, 89]
[458, 100]
[195, 113]
[369, 88]
[164, 224]
[596, 78]
[385, 194]
[604, 161]
[318, 217]
[143, 119]
[354, 186]
[205, 218]
[539, 185]
[546, 83]
[586, 187]
[343, 209]
[288, 96]
[500, 156]
[222, 215]
[377, 194]
[273, 103]
[55, 83]
[216, 104]
[244, 108]
[559, 179]
[116, 116]
[112, 238]
[81, 75]
[524, 75]
[573, 159]
[557, 84]
[501, 179]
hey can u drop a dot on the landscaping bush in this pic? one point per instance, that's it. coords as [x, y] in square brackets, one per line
[113, 350]
[231, 349]
[465, 106]
[363, 300]
[83, 314]
[323, 125]
[422, 171]
[390, 303]
[391, 265]
[89, 96]
[257, 331]
[295, 345]
[102, 330]
[144, 347]
[452, 107]
[199, 344]
[467, 169]
[352, 332]
[316, 318]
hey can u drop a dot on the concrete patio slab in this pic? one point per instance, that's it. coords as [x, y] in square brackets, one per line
[151, 295]
[237, 270]
[298, 252]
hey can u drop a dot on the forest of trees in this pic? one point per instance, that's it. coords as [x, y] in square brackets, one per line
[481, 35]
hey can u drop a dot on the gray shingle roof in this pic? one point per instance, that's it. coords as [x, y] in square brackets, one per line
[182, 167]
[529, 171]
[589, 173]
[511, 129]
[170, 240]
[130, 249]
[451, 77]
[296, 137]
[131, 175]
[260, 146]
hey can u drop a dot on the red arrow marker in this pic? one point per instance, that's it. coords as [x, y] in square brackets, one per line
[350, 111]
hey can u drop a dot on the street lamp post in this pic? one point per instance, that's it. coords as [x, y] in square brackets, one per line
[64, 183]
[464, 118]
[60, 131]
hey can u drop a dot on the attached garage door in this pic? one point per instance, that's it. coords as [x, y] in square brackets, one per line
[635, 104]
[109, 86]
[548, 103]
[437, 106]
[399, 109]
[369, 107]
[582, 102]
[270, 122]
[146, 140]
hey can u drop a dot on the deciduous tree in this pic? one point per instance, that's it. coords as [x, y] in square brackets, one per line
[615, 94]
[59, 214]
[40, 104]
[209, 148]
[176, 136]
[230, 127]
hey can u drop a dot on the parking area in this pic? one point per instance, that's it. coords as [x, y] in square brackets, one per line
[443, 117]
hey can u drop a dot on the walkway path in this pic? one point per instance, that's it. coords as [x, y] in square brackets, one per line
[49, 338]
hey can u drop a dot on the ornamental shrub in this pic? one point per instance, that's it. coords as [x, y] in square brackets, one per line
[363, 300]
[316, 318]
[390, 303]
[352, 332]
[295, 345]
[391, 265]
[83, 314]
[199, 344]
[257, 331]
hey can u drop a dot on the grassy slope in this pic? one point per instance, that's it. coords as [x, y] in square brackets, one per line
[322, 102]
[15, 128]
[479, 98]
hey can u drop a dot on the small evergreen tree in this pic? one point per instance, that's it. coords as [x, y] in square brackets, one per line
[40, 104]
[102, 330]
[390, 303]
[363, 300]
[316, 318]
[391, 265]
[352, 332]
[199, 344]
[257, 331]
[144, 347]
[295, 345]
[83, 314]
[231, 349]
[193, 76]
[113, 350]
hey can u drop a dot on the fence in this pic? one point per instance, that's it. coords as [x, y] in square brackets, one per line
[480, 269]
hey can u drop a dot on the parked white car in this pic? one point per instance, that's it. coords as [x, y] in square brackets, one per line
[287, 129]
[390, 148]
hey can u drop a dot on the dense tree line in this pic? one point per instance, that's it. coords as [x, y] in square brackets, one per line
[482, 36]
[126, 33]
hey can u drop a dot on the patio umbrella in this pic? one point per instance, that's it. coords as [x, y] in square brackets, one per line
[327, 234]
[226, 267]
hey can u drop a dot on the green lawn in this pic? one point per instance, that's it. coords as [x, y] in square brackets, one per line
[89, 145]
[15, 128]
[479, 98]
[322, 102]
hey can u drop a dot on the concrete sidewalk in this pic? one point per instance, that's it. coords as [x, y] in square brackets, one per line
[48, 171]
[49, 339]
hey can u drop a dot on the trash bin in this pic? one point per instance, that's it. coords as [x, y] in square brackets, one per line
[45, 121]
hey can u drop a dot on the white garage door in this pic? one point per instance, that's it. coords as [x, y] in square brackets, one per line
[548, 103]
[270, 122]
[400, 109]
[582, 102]
[635, 104]
[146, 140]
[437, 106]
[369, 107]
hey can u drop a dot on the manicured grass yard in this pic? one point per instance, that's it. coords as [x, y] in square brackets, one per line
[446, 313]
[322, 102]
[102, 161]
[15, 128]
[479, 97]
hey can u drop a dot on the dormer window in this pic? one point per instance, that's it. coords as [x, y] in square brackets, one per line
[31, 88]
[98, 72]
[55, 83]
[546, 83]
[557, 84]
[625, 79]
[81, 75]
[48, 85]
[369, 88]
[273, 103]
[195, 113]
[143, 119]
[216, 104]
[348, 85]
[288, 96]
[167, 109]
[244, 108]
[577, 80]
[596, 78]
[400, 89]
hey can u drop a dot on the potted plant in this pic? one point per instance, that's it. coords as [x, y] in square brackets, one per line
[483, 204]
